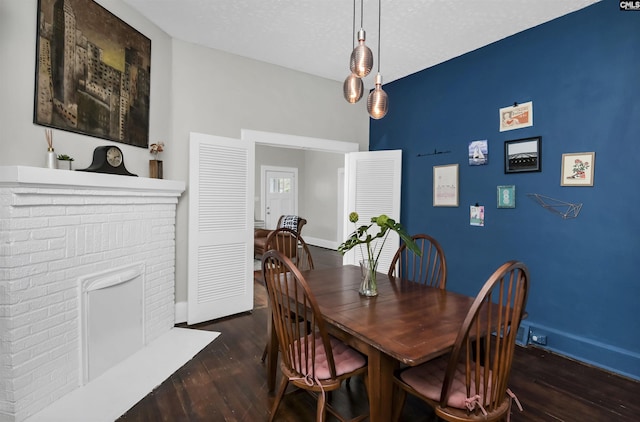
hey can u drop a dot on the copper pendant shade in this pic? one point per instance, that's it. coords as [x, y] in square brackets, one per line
[361, 57]
[352, 88]
[378, 101]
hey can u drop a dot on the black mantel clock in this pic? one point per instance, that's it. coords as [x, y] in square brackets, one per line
[108, 159]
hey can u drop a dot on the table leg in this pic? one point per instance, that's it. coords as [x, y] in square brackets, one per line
[381, 369]
[272, 354]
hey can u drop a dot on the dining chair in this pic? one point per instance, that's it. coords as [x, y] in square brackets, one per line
[291, 244]
[429, 269]
[311, 360]
[292, 222]
[470, 383]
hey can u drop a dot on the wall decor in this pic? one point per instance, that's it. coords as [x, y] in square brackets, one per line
[507, 196]
[516, 116]
[92, 73]
[577, 169]
[523, 155]
[445, 185]
[564, 209]
[476, 215]
[478, 153]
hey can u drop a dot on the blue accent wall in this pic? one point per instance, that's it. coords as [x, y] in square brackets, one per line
[582, 72]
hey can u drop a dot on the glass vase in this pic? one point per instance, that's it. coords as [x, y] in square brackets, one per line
[368, 286]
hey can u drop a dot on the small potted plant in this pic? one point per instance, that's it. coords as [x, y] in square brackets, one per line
[64, 161]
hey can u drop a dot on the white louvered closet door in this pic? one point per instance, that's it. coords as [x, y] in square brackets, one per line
[373, 188]
[221, 189]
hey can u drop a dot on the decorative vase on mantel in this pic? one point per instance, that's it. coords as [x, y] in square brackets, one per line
[368, 285]
[51, 161]
[155, 169]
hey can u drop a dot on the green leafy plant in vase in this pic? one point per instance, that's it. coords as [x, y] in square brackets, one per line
[374, 244]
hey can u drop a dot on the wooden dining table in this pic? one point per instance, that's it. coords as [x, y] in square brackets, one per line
[406, 323]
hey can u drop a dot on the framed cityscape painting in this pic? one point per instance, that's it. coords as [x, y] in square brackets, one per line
[92, 73]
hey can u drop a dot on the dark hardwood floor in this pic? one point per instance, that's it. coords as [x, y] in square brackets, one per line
[226, 381]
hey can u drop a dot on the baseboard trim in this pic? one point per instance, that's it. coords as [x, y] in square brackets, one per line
[613, 359]
[181, 312]
[322, 243]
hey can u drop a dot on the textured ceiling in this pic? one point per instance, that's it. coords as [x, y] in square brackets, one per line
[316, 37]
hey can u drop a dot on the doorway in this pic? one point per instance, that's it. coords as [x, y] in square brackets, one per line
[278, 193]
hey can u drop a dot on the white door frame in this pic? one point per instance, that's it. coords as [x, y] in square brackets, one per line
[298, 142]
[263, 191]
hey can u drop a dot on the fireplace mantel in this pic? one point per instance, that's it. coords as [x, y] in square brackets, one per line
[23, 176]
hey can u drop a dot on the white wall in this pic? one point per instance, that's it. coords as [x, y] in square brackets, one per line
[193, 89]
[320, 184]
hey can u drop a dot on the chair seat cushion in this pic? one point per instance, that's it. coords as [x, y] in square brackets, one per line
[346, 359]
[427, 380]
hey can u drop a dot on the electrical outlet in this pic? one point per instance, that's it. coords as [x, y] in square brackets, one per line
[540, 339]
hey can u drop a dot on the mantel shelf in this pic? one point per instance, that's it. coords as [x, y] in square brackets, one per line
[36, 177]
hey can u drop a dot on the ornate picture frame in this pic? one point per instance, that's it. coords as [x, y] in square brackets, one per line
[92, 73]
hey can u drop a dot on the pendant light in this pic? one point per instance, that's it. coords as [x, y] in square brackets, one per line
[361, 56]
[353, 87]
[378, 101]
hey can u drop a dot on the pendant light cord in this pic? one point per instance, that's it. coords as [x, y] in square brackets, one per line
[379, 25]
[353, 29]
[361, 13]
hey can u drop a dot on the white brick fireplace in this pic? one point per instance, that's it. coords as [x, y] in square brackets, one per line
[64, 236]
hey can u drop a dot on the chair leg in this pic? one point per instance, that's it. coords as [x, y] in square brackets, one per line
[283, 387]
[398, 403]
[321, 413]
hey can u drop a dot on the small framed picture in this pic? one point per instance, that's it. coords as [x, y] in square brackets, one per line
[523, 155]
[445, 186]
[516, 116]
[507, 196]
[478, 153]
[577, 169]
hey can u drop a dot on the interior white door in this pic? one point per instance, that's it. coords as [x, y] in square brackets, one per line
[280, 194]
[373, 182]
[221, 189]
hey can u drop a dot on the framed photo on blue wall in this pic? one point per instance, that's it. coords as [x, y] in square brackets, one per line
[507, 196]
[523, 155]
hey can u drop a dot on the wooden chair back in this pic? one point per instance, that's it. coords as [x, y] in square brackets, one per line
[291, 244]
[291, 319]
[307, 351]
[429, 269]
[485, 344]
